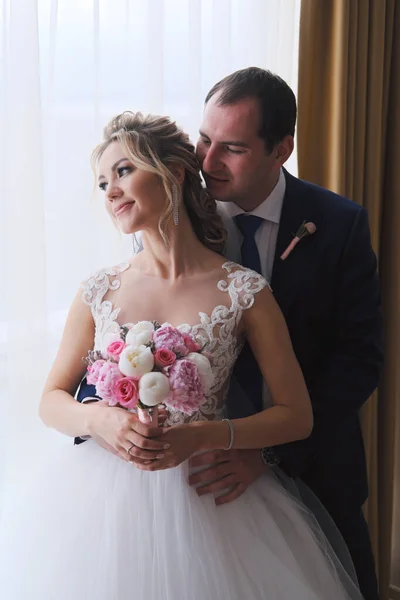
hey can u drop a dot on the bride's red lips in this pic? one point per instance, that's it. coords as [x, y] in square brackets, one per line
[121, 207]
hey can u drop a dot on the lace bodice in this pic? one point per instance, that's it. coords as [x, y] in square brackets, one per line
[219, 331]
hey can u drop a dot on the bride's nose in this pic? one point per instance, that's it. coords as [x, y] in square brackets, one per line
[113, 191]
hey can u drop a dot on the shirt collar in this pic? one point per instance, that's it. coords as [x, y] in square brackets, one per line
[269, 210]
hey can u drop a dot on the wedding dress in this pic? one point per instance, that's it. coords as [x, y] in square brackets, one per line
[93, 527]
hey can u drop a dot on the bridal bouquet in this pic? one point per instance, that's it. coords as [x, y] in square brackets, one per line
[147, 364]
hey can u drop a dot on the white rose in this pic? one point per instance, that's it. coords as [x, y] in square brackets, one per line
[139, 334]
[204, 368]
[135, 361]
[153, 388]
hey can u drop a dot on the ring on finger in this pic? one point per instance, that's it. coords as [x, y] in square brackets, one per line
[130, 448]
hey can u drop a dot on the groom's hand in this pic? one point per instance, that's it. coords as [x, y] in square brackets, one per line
[231, 470]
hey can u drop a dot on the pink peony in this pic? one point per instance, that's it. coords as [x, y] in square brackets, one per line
[94, 371]
[115, 348]
[109, 374]
[164, 357]
[191, 344]
[170, 338]
[187, 391]
[126, 392]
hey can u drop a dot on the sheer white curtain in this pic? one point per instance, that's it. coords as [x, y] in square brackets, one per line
[66, 67]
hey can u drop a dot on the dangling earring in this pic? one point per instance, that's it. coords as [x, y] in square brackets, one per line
[135, 244]
[175, 207]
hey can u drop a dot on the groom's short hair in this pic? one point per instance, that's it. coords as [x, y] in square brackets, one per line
[276, 100]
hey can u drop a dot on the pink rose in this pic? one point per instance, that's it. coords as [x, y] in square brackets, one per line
[170, 338]
[115, 348]
[126, 392]
[164, 357]
[191, 344]
[187, 391]
[93, 372]
[109, 374]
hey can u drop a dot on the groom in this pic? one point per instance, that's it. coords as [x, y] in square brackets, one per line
[327, 289]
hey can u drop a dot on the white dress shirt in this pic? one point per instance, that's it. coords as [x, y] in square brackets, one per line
[266, 235]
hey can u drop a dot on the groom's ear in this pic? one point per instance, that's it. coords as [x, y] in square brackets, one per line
[284, 149]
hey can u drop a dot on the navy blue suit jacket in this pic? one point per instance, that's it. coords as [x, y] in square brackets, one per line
[328, 291]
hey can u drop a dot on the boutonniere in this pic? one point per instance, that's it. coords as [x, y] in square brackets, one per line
[304, 230]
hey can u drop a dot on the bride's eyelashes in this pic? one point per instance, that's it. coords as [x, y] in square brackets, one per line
[121, 171]
[124, 170]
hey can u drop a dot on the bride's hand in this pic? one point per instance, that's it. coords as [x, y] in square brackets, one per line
[184, 440]
[124, 434]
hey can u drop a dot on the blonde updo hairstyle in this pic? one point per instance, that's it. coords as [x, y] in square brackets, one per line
[157, 145]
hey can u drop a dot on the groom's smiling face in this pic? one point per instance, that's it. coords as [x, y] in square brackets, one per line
[235, 163]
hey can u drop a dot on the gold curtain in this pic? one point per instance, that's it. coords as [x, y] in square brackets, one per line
[348, 141]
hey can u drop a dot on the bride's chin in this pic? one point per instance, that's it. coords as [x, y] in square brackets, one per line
[128, 227]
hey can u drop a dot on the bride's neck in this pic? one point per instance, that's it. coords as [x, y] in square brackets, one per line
[183, 256]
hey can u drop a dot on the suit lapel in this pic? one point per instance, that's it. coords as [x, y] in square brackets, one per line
[289, 275]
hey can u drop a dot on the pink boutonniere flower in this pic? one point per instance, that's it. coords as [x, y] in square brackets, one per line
[304, 230]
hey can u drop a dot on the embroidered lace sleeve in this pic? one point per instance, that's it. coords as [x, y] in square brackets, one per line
[242, 284]
[104, 314]
[97, 285]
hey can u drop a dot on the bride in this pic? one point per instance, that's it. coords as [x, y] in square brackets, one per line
[95, 527]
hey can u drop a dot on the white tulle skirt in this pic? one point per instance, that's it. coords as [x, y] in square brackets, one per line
[92, 527]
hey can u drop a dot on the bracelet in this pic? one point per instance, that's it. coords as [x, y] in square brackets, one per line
[232, 434]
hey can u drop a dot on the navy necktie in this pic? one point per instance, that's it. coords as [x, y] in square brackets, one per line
[248, 225]
[246, 368]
